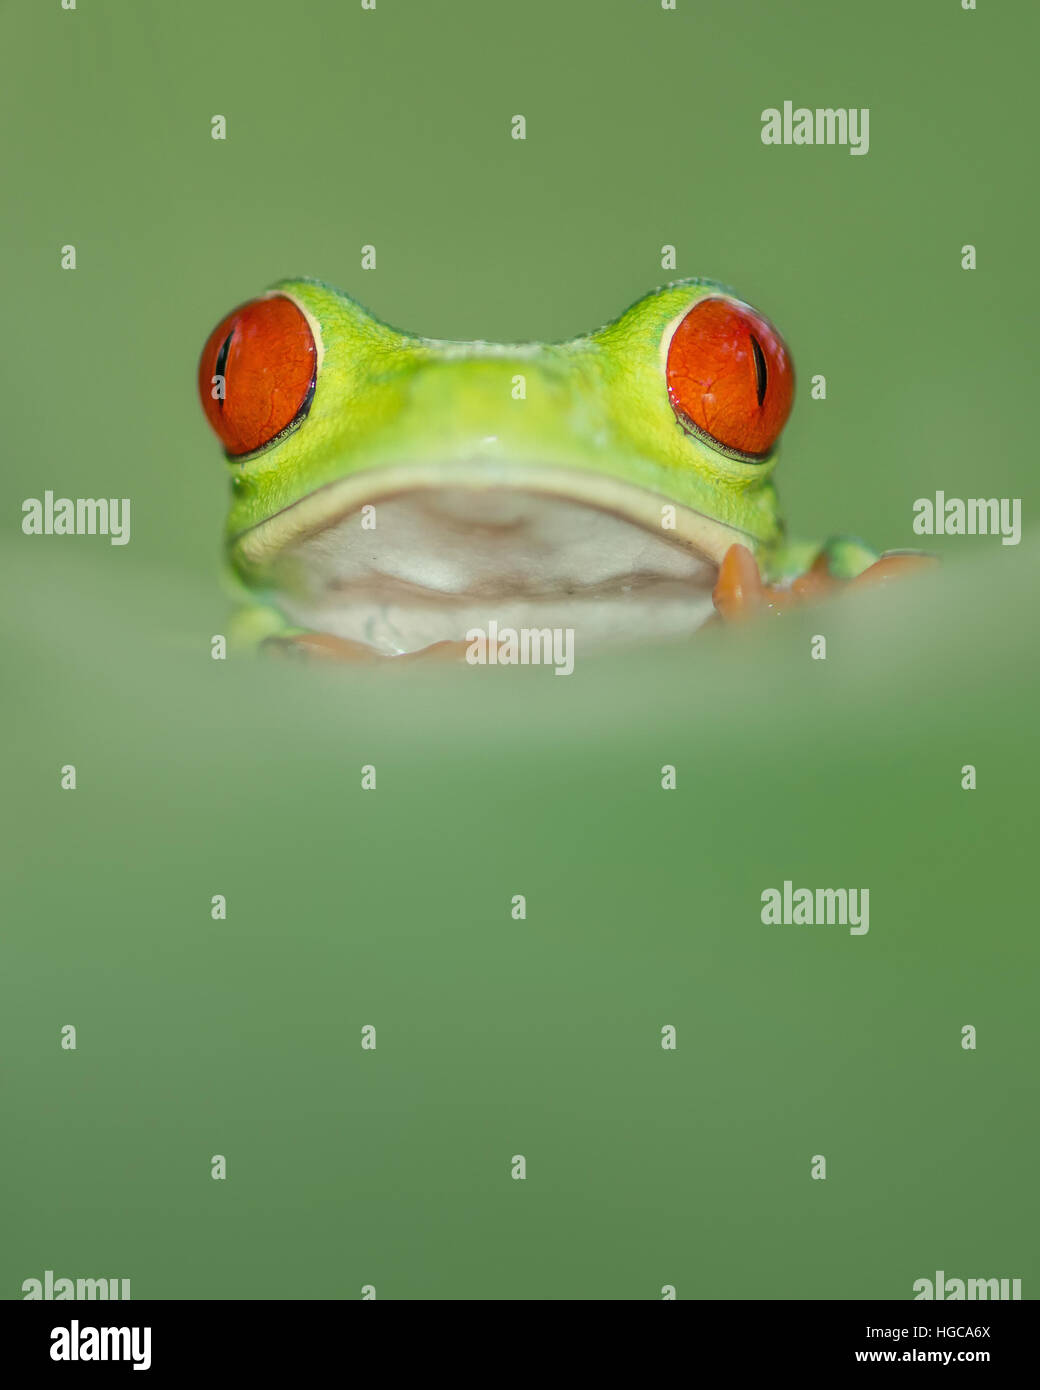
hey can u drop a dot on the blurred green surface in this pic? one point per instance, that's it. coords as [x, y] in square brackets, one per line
[392, 908]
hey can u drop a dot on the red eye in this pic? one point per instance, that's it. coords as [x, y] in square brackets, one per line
[730, 376]
[264, 359]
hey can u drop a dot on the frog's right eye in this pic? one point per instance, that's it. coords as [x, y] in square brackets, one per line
[257, 373]
[730, 378]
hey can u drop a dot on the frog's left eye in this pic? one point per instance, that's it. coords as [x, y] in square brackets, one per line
[256, 373]
[730, 377]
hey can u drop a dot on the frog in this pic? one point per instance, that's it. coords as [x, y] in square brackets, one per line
[391, 492]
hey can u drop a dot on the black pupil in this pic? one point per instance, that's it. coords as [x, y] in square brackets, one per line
[222, 356]
[760, 369]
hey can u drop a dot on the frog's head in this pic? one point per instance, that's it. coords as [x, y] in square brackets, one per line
[396, 490]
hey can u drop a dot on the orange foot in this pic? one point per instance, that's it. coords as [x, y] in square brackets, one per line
[740, 592]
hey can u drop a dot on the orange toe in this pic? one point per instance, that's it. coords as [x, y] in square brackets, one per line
[894, 566]
[738, 590]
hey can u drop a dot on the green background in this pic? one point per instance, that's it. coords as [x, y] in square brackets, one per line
[348, 908]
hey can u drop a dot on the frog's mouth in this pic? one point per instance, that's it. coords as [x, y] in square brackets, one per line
[415, 563]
